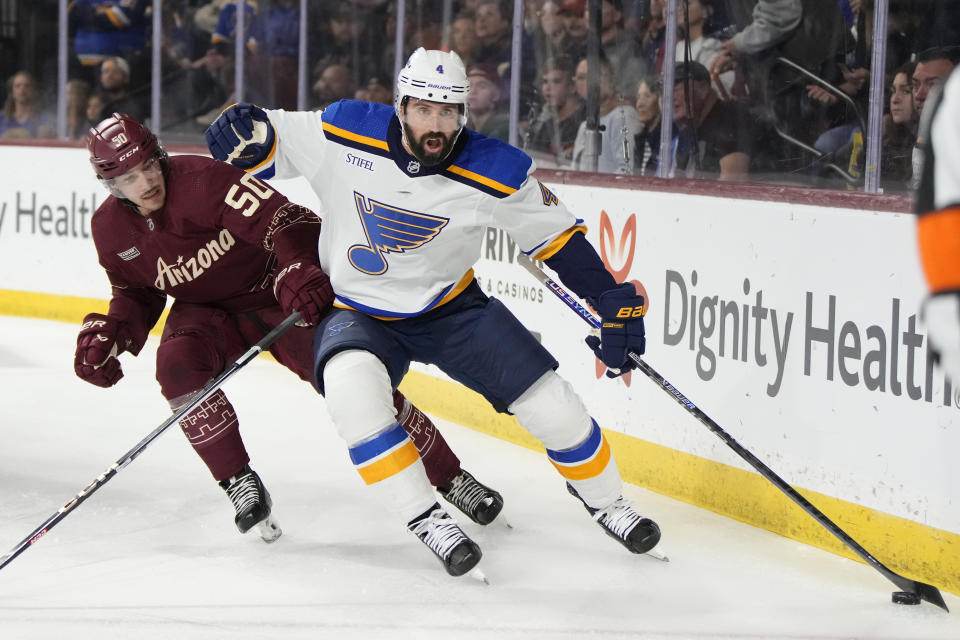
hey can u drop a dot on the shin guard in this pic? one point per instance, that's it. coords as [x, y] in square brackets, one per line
[213, 431]
[359, 399]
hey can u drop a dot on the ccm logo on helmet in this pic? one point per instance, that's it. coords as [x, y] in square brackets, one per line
[128, 154]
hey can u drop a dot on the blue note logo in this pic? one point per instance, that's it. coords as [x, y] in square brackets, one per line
[389, 229]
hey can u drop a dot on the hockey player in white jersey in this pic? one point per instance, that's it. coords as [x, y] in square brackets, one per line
[407, 194]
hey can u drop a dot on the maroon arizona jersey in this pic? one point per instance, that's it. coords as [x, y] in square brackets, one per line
[210, 243]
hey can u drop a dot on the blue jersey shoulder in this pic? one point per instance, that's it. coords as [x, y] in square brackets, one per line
[364, 119]
[491, 165]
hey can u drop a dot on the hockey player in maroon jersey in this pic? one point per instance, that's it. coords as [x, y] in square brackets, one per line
[238, 258]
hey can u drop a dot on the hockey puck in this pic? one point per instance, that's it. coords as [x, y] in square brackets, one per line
[905, 597]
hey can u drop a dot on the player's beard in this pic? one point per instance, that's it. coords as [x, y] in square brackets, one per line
[419, 150]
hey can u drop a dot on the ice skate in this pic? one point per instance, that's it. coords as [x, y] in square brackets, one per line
[626, 526]
[442, 535]
[252, 502]
[477, 501]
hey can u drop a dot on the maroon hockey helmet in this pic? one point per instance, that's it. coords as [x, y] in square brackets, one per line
[120, 143]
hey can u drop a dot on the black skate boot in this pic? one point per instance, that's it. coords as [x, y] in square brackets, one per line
[623, 524]
[436, 529]
[479, 502]
[252, 502]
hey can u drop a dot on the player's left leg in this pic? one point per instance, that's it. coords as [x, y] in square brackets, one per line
[192, 351]
[505, 363]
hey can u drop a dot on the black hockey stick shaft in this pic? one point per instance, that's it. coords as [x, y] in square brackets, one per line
[132, 454]
[925, 591]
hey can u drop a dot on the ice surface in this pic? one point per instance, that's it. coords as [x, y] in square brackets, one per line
[154, 553]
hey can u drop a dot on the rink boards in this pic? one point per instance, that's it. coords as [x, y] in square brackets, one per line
[795, 327]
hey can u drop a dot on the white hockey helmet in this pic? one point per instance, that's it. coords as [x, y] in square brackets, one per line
[434, 75]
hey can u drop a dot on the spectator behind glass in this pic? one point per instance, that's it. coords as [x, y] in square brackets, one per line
[618, 124]
[23, 115]
[376, 90]
[619, 48]
[553, 28]
[653, 36]
[107, 29]
[572, 13]
[218, 62]
[647, 142]
[282, 36]
[554, 129]
[492, 24]
[702, 48]
[486, 113]
[115, 86]
[715, 138]
[78, 94]
[224, 32]
[933, 67]
[899, 131]
[899, 135]
[463, 37]
[811, 33]
[95, 104]
[334, 82]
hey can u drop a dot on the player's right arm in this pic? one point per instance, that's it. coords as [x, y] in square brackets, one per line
[274, 144]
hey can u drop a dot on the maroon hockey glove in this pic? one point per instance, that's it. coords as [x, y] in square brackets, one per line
[98, 344]
[303, 287]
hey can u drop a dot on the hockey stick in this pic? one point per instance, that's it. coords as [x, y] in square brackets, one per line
[925, 591]
[129, 456]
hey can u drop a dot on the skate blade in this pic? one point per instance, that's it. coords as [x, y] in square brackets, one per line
[657, 554]
[479, 575]
[269, 530]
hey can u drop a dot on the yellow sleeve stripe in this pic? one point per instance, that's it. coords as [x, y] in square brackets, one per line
[476, 177]
[551, 249]
[590, 469]
[117, 18]
[356, 137]
[390, 465]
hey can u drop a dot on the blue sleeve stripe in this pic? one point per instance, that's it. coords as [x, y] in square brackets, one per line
[582, 452]
[387, 440]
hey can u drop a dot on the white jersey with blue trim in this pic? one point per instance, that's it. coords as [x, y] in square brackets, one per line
[400, 238]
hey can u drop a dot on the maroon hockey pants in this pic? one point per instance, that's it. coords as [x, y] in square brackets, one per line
[199, 341]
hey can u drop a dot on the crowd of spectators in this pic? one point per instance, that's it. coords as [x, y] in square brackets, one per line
[771, 90]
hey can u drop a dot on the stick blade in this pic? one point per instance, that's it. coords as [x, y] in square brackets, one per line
[931, 594]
